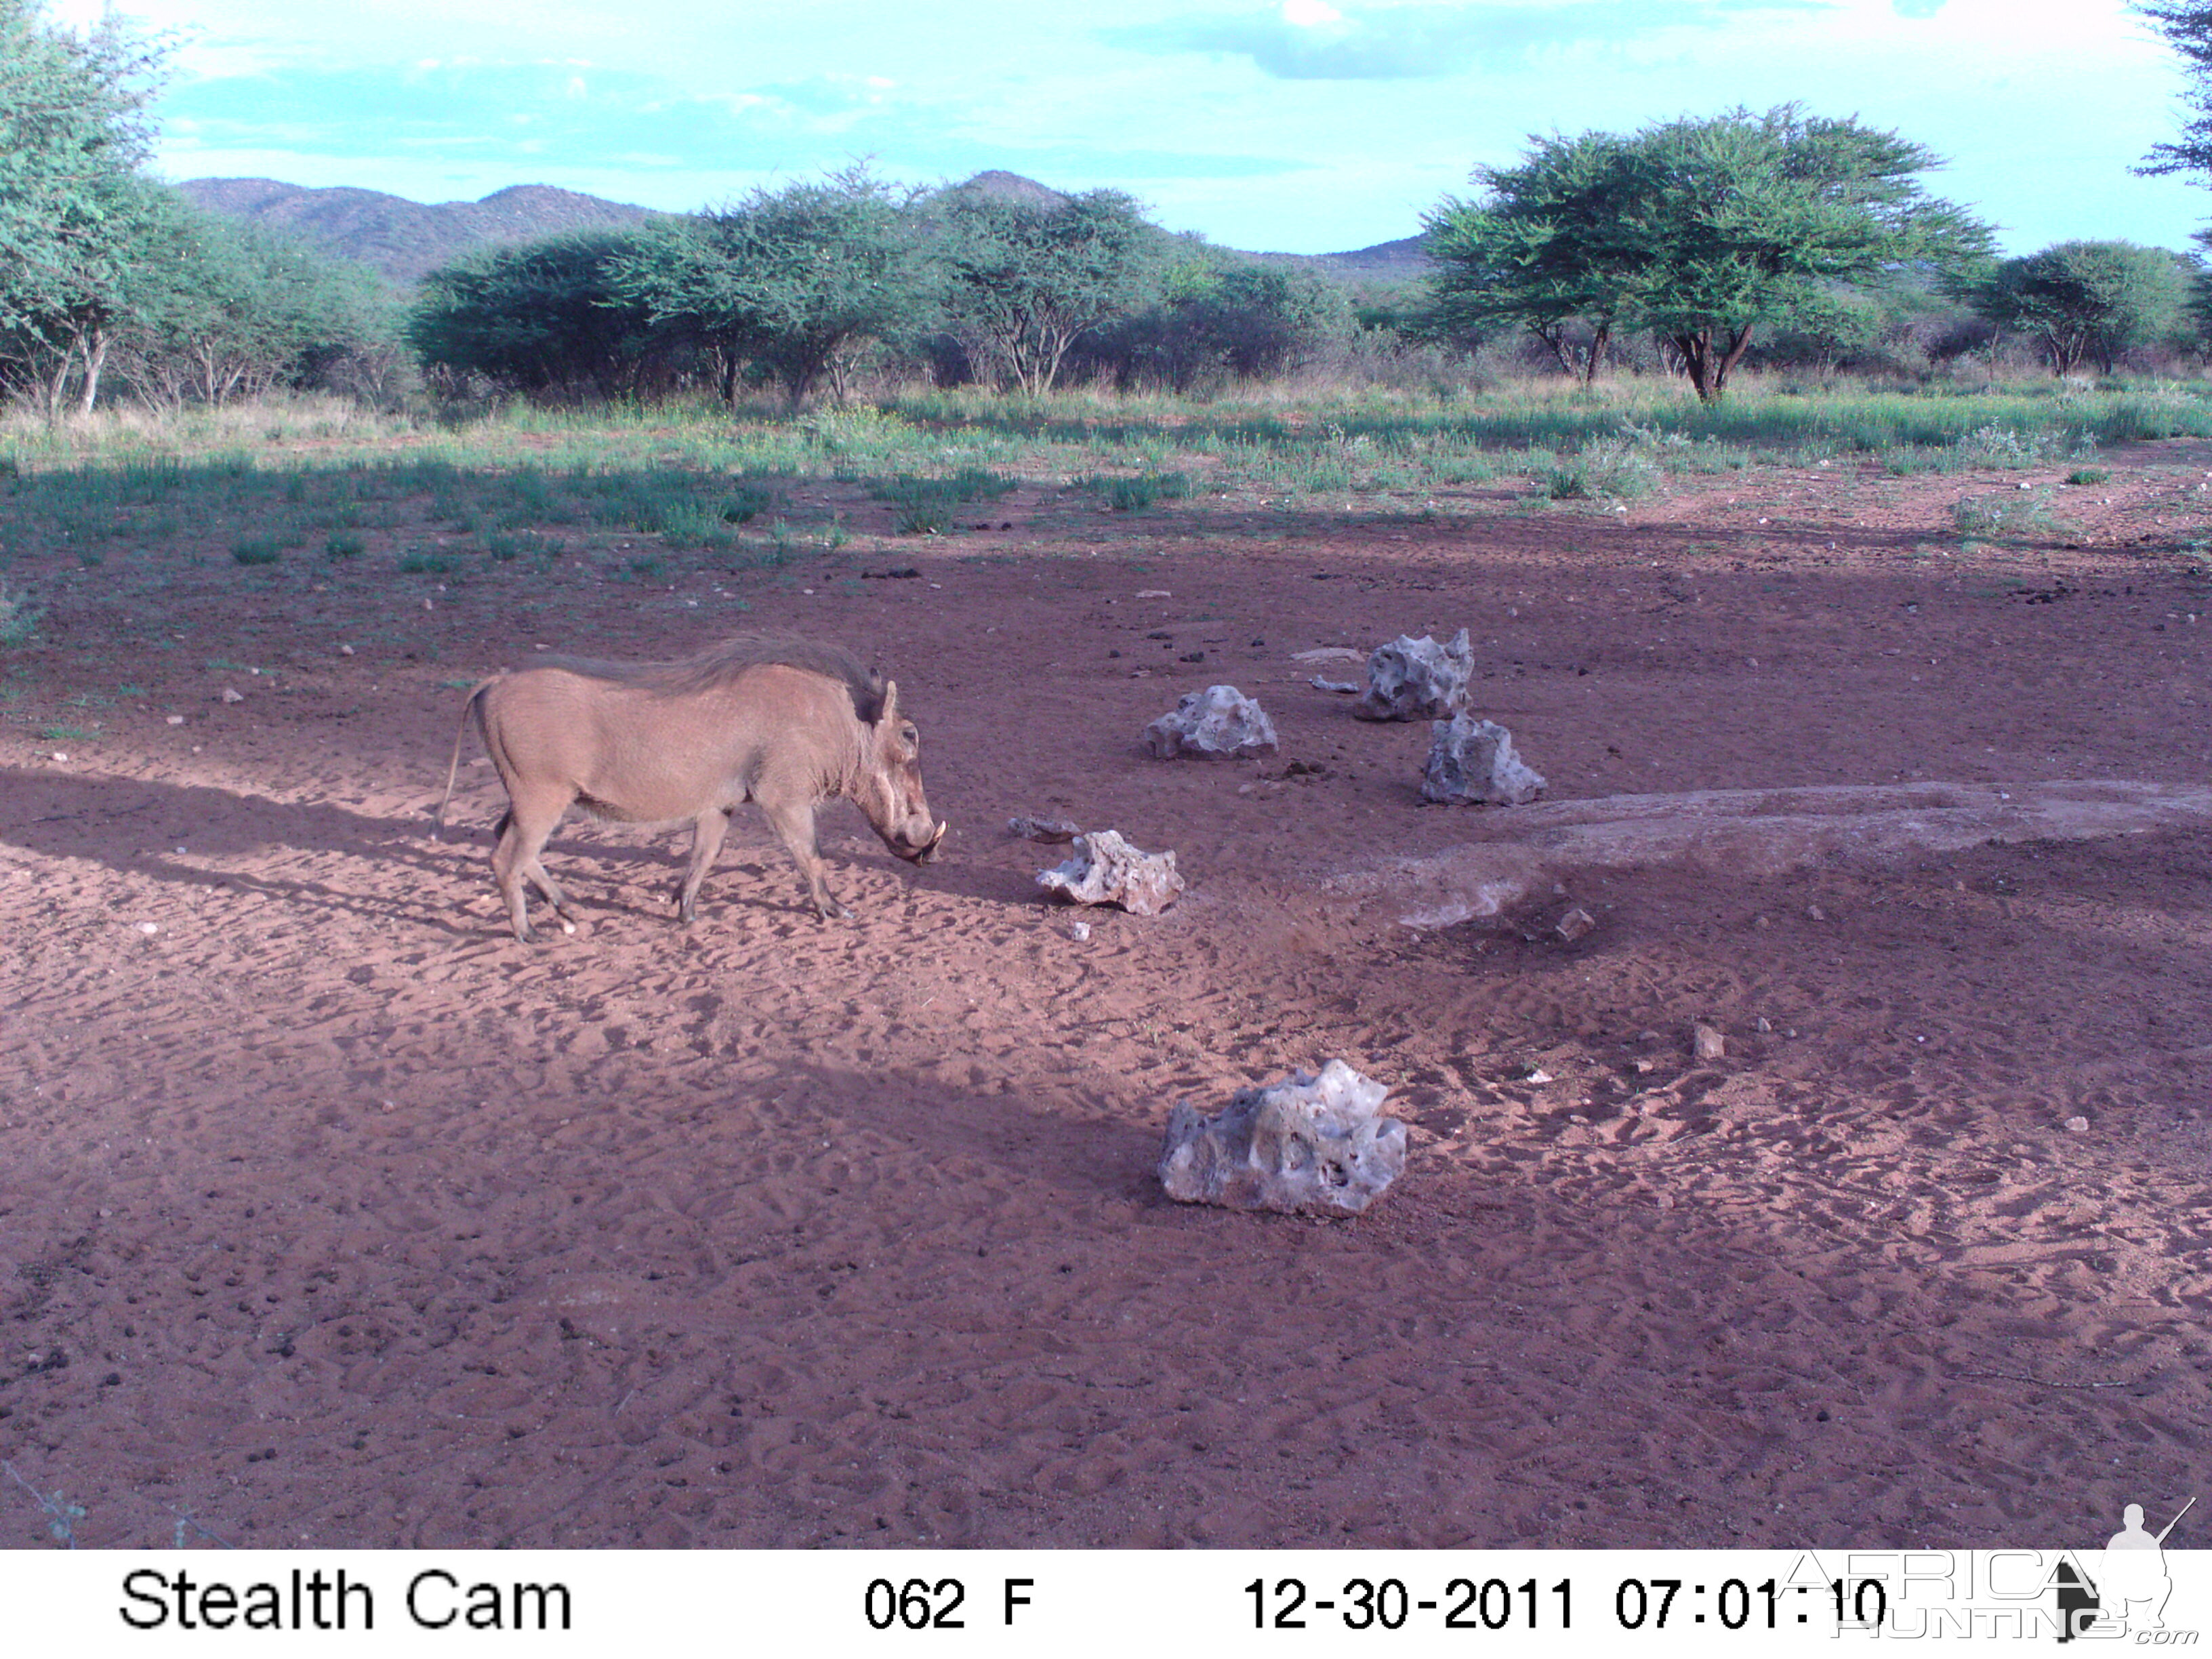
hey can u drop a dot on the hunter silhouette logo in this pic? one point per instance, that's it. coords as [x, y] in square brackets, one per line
[2129, 1586]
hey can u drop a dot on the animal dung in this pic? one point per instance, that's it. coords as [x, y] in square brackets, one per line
[1107, 870]
[1310, 1145]
[1410, 679]
[1217, 723]
[1472, 764]
[1048, 829]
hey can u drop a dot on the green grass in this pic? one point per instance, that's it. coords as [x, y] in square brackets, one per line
[257, 549]
[2089, 475]
[345, 544]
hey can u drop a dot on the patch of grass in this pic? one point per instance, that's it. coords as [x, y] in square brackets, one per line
[345, 544]
[69, 733]
[2089, 475]
[924, 506]
[2005, 515]
[19, 619]
[1134, 495]
[425, 564]
[257, 549]
[503, 546]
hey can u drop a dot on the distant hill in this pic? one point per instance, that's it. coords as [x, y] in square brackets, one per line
[406, 240]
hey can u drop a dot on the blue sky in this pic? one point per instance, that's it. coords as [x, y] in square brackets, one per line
[1302, 125]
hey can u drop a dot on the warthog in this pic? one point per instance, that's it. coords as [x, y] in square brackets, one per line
[785, 724]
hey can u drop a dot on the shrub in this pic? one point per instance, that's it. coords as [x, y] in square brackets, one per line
[345, 544]
[257, 549]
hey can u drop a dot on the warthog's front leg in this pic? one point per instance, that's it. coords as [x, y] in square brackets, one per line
[706, 832]
[794, 827]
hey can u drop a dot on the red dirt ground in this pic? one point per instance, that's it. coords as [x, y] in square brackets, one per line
[330, 1214]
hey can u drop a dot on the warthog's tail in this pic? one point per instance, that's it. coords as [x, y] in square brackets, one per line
[469, 710]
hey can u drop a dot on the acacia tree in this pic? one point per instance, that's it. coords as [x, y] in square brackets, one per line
[1544, 248]
[2092, 300]
[1702, 231]
[545, 318]
[786, 281]
[221, 309]
[73, 133]
[1023, 280]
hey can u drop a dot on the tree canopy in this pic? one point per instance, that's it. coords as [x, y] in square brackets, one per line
[2089, 299]
[785, 281]
[1703, 231]
[73, 134]
[1023, 280]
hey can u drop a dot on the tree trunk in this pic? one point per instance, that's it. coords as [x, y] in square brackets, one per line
[1600, 343]
[1696, 352]
[95, 347]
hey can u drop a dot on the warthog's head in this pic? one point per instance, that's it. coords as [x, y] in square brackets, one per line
[890, 793]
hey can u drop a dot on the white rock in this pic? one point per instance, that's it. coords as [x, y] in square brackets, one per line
[1107, 870]
[1471, 762]
[1330, 653]
[1050, 829]
[1307, 1145]
[1154, 594]
[149, 928]
[1345, 687]
[231, 694]
[2080, 1126]
[1705, 1042]
[347, 650]
[1219, 722]
[1410, 679]
[176, 720]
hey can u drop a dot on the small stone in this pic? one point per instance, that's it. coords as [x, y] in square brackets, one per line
[1108, 869]
[1765, 1024]
[1046, 830]
[1577, 923]
[1761, 923]
[1667, 1202]
[1815, 912]
[1079, 931]
[1342, 687]
[149, 928]
[1410, 679]
[1219, 722]
[59, 756]
[347, 650]
[1643, 1067]
[1705, 1042]
[1471, 762]
[2079, 1126]
[176, 720]
[1154, 594]
[426, 603]
[1330, 653]
[231, 694]
[1538, 1075]
[1310, 1145]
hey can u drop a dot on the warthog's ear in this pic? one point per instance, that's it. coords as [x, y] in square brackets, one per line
[890, 703]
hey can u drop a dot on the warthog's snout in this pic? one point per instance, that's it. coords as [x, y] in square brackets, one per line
[921, 852]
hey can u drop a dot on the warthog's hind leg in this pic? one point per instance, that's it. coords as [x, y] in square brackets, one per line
[794, 827]
[528, 827]
[706, 832]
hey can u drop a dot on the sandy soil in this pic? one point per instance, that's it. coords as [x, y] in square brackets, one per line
[330, 1214]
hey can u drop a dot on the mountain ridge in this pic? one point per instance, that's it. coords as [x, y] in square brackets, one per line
[406, 239]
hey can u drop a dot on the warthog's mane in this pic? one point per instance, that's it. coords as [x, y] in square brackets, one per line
[718, 665]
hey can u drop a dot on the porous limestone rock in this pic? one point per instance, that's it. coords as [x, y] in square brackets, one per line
[1471, 762]
[1307, 1145]
[1107, 870]
[1219, 722]
[1410, 679]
